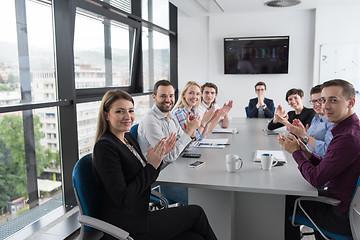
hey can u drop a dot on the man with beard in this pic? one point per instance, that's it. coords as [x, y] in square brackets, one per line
[160, 123]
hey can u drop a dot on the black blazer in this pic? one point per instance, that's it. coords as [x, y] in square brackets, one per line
[125, 183]
[253, 111]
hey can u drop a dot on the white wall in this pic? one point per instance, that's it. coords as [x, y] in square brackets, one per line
[299, 25]
[201, 42]
[336, 25]
[193, 49]
[201, 49]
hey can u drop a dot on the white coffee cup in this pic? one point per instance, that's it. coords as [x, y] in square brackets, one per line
[233, 163]
[268, 161]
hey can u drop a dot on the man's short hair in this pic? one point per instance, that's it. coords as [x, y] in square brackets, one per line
[209, 85]
[294, 91]
[161, 83]
[316, 89]
[348, 88]
[260, 84]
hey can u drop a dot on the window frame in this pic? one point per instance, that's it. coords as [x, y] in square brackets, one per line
[63, 14]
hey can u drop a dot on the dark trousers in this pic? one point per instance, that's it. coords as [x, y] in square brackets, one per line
[322, 214]
[179, 223]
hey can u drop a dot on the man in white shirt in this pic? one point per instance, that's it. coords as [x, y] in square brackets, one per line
[209, 93]
[160, 123]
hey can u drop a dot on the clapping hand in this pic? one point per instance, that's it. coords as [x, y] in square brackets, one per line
[170, 143]
[155, 154]
[226, 108]
[280, 116]
[297, 128]
[289, 144]
[192, 123]
[208, 115]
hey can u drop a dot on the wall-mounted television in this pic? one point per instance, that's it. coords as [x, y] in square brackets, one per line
[256, 55]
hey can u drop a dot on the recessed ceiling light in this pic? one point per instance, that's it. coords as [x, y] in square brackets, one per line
[281, 3]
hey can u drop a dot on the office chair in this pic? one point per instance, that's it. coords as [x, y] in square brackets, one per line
[134, 130]
[354, 215]
[247, 111]
[88, 196]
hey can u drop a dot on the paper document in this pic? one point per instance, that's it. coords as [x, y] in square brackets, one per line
[225, 130]
[278, 154]
[212, 143]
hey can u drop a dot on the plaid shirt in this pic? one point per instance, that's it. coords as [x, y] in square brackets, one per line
[180, 114]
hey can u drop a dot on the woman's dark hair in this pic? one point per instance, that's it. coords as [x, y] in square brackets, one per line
[294, 91]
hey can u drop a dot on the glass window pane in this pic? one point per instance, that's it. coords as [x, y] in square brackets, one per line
[142, 106]
[87, 114]
[124, 5]
[156, 57]
[34, 72]
[30, 174]
[102, 56]
[120, 52]
[156, 11]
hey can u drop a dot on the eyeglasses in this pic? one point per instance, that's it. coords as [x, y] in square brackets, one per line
[318, 101]
[260, 90]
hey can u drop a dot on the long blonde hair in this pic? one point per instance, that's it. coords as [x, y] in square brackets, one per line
[108, 99]
[181, 101]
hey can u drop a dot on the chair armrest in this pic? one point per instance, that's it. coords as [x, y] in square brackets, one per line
[104, 227]
[322, 199]
[162, 199]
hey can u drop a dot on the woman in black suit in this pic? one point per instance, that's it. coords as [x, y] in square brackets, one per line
[126, 176]
[295, 99]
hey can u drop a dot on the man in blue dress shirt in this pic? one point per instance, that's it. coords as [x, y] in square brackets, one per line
[318, 136]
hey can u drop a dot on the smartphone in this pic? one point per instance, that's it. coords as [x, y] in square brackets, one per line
[196, 164]
[191, 155]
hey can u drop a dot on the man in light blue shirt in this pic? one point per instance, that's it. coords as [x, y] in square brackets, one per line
[318, 136]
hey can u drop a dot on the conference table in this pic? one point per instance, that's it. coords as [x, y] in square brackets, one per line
[248, 204]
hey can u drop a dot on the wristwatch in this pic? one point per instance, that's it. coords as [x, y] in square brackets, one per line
[263, 106]
[306, 139]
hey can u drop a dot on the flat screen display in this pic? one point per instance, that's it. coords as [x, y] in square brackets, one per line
[256, 55]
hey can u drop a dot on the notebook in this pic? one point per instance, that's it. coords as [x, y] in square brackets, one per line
[278, 154]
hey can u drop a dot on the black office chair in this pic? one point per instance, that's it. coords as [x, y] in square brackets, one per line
[354, 215]
[88, 196]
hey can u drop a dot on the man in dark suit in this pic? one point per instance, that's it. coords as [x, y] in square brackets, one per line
[260, 107]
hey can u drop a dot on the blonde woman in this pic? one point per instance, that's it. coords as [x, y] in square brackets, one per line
[186, 107]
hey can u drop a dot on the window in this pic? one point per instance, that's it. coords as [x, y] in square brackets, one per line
[27, 143]
[156, 11]
[102, 55]
[54, 71]
[156, 57]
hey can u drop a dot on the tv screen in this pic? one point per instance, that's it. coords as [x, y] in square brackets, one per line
[256, 55]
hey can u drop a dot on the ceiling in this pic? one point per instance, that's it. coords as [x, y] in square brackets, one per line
[209, 7]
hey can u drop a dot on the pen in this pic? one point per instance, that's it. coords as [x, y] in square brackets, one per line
[223, 144]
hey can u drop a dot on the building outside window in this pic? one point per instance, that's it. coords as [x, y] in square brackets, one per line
[33, 110]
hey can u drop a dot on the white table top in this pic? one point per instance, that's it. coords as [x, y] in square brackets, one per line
[284, 180]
